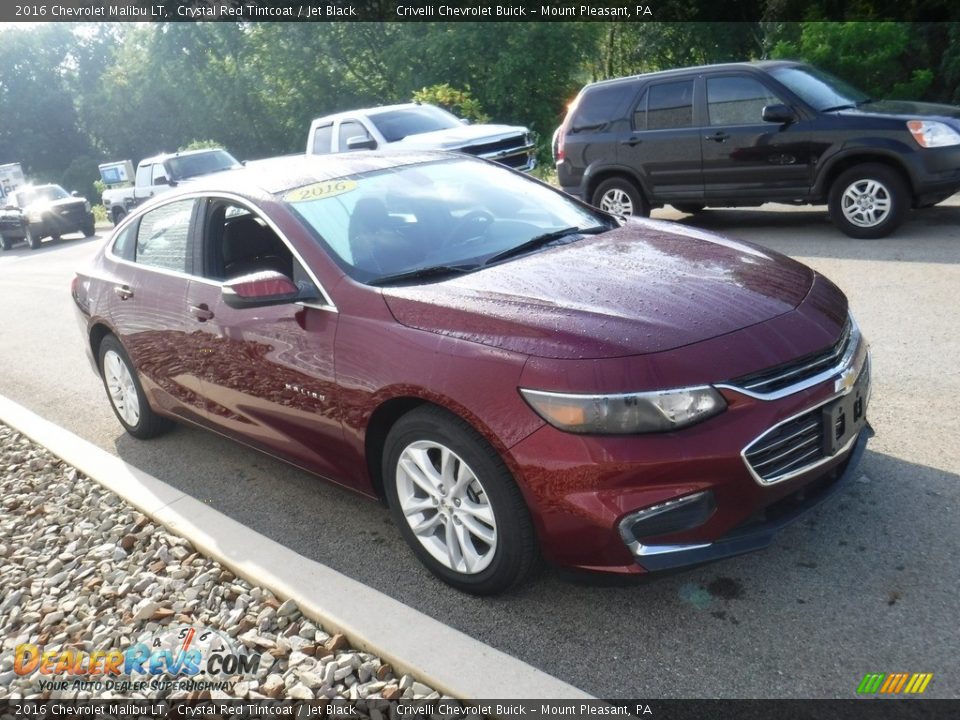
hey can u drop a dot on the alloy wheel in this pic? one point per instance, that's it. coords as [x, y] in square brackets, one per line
[121, 388]
[446, 506]
[616, 202]
[866, 203]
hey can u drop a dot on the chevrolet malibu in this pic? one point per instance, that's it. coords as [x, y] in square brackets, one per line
[516, 374]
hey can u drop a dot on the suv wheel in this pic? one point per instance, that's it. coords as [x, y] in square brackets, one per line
[5, 242]
[89, 229]
[868, 201]
[118, 215]
[32, 237]
[618, 196]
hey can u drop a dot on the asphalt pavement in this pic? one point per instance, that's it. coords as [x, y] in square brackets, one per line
[867, 583]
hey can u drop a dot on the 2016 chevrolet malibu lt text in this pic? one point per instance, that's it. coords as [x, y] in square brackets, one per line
[517, 374]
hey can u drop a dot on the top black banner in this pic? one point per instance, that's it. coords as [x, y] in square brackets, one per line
[476, 10]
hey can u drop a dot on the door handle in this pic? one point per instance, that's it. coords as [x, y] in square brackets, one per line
[123, 292]
[719, 136]
[631, 141]
[201, 312]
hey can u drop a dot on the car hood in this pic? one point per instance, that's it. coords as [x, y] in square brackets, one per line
[906, 109]
[646, 287]
[458, 137]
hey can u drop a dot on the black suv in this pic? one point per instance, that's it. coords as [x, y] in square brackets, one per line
[743, 134]
[35, 212]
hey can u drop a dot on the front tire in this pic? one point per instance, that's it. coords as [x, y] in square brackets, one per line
[619, 196]
[125, 392]
[869, 201]
[89, 230]
[118, 215]
[32, 237]
[456, 503]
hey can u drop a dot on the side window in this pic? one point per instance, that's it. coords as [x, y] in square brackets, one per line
[670, 105]
[350, 129]
[737, 100]
[125, 243]
[321, 139]
[162, 236]
[598, 107]
[640, 113]
[144, 175]
[237, 242]
[158, 172]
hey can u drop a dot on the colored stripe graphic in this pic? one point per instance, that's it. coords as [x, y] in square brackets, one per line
[894, 683]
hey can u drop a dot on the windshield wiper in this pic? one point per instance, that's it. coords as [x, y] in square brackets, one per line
[541, 240]
[434, 271]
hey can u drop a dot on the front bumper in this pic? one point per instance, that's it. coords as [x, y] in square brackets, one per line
[759, 531]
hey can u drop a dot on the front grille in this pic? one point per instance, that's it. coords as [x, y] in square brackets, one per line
[790, 447]
[796, 371]
[513, 151]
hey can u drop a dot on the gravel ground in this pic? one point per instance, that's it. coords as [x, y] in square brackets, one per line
[82, 571]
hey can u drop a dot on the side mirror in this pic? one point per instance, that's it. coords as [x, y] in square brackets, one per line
[261, 289]
[778, 114]
[465, 121]
[74, 194]
[161, 181]
[361, 142]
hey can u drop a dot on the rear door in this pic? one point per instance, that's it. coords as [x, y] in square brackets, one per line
[664, 144]
[148, 306]
[743, 156]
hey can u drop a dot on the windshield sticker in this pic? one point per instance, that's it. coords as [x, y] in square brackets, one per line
[321, 190]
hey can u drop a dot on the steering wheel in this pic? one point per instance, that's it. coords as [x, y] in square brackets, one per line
[472, 226]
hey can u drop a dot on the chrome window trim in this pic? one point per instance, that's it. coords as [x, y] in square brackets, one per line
[853, 345]
[328, 304]
[776, 480]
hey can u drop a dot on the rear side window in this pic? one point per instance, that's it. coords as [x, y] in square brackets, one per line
[162, 236]
[598, 107]
[124, 245]
[670, 105]
[321, 139]
[737, 100]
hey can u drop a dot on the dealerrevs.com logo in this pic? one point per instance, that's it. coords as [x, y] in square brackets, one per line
[200, 657]
[894, 683]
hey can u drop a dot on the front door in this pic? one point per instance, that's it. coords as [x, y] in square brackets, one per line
[745, 157]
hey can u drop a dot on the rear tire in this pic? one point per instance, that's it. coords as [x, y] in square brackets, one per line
[125, 392]
[456, 503]
[619, 196]
[869, 201]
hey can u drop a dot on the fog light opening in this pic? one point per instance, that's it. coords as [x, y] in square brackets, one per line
[669, 517]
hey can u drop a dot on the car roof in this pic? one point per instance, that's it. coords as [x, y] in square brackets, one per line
[755, 65]
[276, 175]
[370, 112]
[183, 153]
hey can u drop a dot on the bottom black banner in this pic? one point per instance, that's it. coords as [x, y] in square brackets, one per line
[446, 709]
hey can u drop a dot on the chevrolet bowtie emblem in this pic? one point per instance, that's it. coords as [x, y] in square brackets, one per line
[846, 381]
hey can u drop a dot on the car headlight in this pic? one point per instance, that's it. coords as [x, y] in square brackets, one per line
[34, 216]
[628, 413]
[931, 134]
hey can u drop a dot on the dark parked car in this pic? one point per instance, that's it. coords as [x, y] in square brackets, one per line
[40, 211]
[514, 371]
[748, 133]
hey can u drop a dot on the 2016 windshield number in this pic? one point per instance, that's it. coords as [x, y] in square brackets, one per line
[321, 190]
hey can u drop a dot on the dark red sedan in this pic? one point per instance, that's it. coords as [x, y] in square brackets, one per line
[514, 372]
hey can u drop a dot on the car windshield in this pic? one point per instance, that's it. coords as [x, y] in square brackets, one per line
[428, 218]
[819, 89]
[188, 166]
[395, 125]
[44, 193]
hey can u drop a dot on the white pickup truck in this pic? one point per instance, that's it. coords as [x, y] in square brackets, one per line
[419, 126]
[158, 174]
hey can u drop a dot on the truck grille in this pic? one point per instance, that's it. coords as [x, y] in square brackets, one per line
[797, 371]
[514, 152]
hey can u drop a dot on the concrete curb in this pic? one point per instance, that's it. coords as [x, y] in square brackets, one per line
[442, 657]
